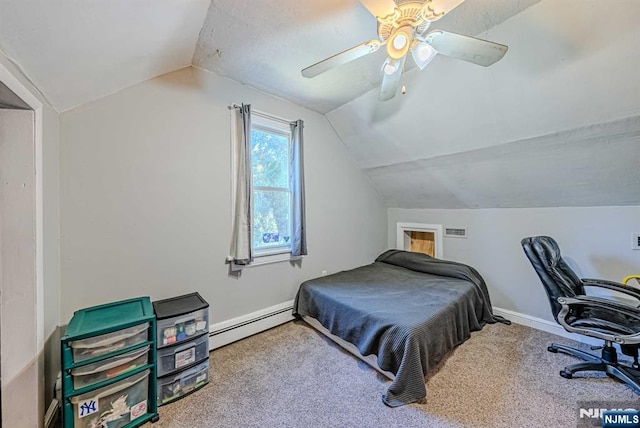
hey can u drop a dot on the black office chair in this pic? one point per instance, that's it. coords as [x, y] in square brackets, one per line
[609, 319]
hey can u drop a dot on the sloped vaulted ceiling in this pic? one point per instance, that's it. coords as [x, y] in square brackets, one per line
[265, 44]
[555, 123]
[78, 51]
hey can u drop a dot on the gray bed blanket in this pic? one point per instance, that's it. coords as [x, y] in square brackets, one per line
[406, 308]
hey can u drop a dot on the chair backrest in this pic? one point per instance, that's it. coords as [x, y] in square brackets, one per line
[557, 277]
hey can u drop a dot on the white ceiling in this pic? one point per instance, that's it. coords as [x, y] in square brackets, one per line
[77, 51]
[467, 136]
[588, 166]
[265, 44]
[462, 136]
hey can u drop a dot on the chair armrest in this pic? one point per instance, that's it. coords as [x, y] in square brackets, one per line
[629, 278]
[597, 302]
[610, 285]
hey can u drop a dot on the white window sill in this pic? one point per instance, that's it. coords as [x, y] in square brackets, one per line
[268, 259]
[272, 258]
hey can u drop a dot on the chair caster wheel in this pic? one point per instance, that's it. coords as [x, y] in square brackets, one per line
[552, 349]
[565, 374]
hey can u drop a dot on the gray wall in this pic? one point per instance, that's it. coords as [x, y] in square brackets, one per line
[145, 198]
[51, 191]
[595, 241]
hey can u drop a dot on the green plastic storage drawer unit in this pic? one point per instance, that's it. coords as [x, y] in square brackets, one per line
[109, 366]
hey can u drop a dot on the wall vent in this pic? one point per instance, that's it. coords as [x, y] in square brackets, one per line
[452, 232]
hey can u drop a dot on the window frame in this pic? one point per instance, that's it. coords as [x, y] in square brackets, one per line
[265, 123]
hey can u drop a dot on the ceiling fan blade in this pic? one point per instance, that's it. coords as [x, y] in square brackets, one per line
[391, 82]
[466, 48]
[439, 8]
[379, 8]
[342, 58]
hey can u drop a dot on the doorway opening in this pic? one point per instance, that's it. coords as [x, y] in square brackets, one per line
[21, 261]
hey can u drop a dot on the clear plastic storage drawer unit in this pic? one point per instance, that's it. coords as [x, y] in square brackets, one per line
[173, 358]
[109, 368]
[181, 318]
[113, 406]
[171, 388]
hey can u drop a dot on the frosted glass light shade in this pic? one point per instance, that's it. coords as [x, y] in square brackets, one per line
[399, 43]
[390, 66]
[423, 53]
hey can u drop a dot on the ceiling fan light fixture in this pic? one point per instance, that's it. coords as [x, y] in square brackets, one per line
[403, 26]
[390, 66]
[399, 42]
[423, 53]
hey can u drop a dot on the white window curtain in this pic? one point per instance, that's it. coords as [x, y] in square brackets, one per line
[299, 236]
[241, 253]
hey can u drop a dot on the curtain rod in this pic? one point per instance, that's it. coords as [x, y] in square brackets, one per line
[264, 115]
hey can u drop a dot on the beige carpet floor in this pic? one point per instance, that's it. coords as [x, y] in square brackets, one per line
[291, 376]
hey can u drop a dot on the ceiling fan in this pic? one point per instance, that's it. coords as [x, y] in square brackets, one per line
[403, 26]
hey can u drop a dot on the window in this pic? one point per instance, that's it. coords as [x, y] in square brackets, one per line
[272, 189]
[267, 188]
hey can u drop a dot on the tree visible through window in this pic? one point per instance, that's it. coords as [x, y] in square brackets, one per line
[270, 160]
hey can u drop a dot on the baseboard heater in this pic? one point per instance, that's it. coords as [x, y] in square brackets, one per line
[226, 332]
[51, 416]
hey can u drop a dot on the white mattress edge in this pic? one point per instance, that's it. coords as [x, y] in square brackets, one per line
[371, 359]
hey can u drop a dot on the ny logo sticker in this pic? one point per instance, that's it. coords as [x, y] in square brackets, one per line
[87, 408]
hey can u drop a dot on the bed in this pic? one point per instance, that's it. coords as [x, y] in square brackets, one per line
[401, 314]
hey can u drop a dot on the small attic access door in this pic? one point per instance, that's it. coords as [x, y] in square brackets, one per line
[420, 238]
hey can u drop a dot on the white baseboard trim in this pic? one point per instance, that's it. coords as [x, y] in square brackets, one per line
[229, 331]
[544, 325]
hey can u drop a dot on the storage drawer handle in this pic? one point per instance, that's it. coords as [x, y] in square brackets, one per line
[112, 340]
[189, 373]
[115, 388]
[184, 320]
[184, 347]
[116, 363]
